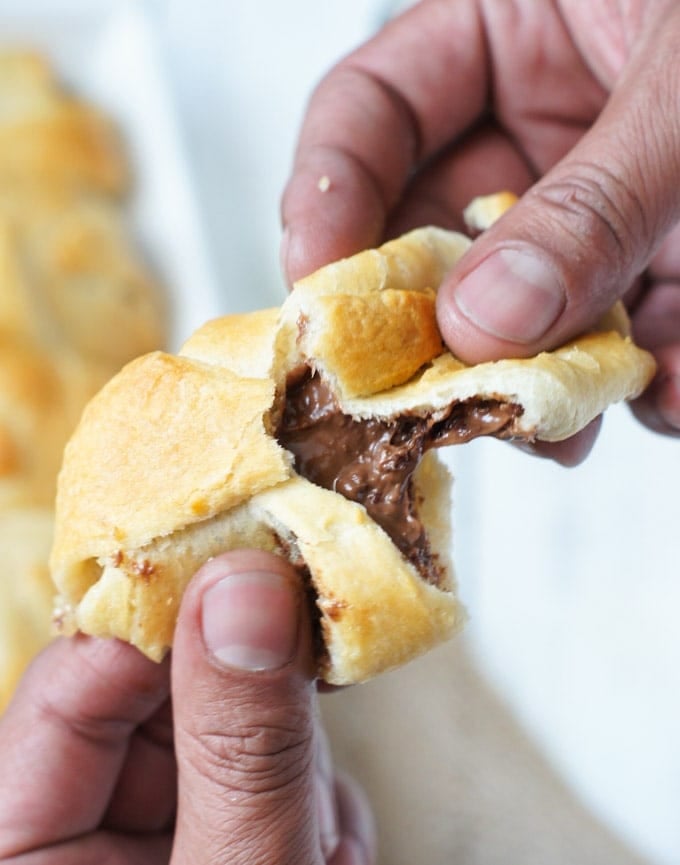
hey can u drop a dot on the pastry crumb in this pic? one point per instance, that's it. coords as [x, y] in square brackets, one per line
[63, 618]
[483, 211]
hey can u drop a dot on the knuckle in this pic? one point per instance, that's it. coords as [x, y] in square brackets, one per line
[601, 211]
[253, 758]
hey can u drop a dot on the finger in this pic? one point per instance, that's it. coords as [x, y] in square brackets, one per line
[346, 822]
[545, 92]
[665, 265]
[358, 841]
[327, 806]
[659, 406]
[483, 162]
[145, 798]
[373, 118]
[102, 847]
[581, 235]
[244, 701]
[656, 326]
[571, 451]
[65, 735]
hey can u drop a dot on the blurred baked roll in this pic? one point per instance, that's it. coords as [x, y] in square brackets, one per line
[77, 301]
[51, 139]
[73, 278]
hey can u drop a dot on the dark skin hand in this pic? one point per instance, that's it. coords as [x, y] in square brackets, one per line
[572, 104]
[110, 757]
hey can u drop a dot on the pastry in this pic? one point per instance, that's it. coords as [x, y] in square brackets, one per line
[49, 138]
[311, 432]
[77, 301]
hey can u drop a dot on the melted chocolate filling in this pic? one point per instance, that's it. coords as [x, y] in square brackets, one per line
[372, 461]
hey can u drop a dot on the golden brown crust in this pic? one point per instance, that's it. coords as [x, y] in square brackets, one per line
[559, 391]
[48, 139]
[339, 328]
[188, 438]
[240, 343]
[194, 439]
[73, 279]
[376, 611]
[385, 295]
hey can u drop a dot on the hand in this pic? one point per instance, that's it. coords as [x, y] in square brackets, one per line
[89, 772]
[574, 104]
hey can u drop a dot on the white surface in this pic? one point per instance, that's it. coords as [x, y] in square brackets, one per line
[242, 74]
[572, 577]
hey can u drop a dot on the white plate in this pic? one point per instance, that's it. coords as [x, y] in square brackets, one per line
[108, 53]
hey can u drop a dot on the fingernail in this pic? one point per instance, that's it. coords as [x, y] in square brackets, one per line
[250, 620]
[513, 295]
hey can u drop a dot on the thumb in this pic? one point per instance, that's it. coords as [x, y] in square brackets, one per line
[579, 238]
[244, 706]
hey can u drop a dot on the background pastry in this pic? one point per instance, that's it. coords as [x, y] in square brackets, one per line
[77, 301]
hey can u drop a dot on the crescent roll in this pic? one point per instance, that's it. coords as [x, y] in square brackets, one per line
[77, 301]
[48, 137]
[310, 431]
